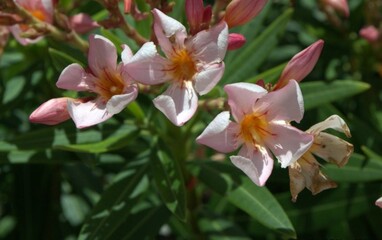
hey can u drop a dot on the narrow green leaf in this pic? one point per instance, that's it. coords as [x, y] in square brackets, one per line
[319, 92]
[169, 181]
[312, 213]
[357, 170]
[116, 203]
[251, 57]
[60, 59]
[269, 76]
[258, 202]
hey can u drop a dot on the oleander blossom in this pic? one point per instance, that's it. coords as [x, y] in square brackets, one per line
[305, 172]
[110, 82]
[261, 126]
[192, 64]
[378, 203]
[40, 9]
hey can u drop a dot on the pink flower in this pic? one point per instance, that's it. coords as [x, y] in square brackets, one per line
[370, 33]
[306, 171]
[192, 65]
[338, 5]
[40, 9]
[301, 64]
[198, 16]
[51, 112]
[379, 202]
[113, 86]
[235, 41]
[239, 12]
[82, 23]
[261, 126]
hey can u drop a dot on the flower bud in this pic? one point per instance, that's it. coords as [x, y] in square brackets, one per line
[198, 16]
[235, 41]
[370, 33]
[127, 7]
[51, 112]
[82, 23]
[301, 64]
[338, 5]
[239, 12]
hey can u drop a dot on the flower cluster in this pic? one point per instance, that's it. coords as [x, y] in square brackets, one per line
[191, 63]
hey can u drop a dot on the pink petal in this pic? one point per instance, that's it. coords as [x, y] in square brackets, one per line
[379, 202]
[178, 104]
[166, 27]
[235, 41]
[301, 64]
[242, 97]
[335, 122]
[82, 23]
[126, 54]
[147, 67]
[118, 102]
[370, 33]
[220, 134]
[210, 45]
[239, 12]
[287, 143]
[86, 114]
[16, 32]
[51, 112]
[48, 7]
[74, 77]
[285, 104]
[194, 13]
[102, 54]
[257, 164]
[208, 78]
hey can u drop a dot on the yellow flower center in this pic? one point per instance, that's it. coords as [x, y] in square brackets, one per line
[109, 84]
[37, 14]
[254, 128]
[183, 67]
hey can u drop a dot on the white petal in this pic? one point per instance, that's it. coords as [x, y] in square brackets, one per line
[220, 134]
[118, 102]
[207, 79]
[335, 122]
[74, 77]
[102, 54]
[178, 104]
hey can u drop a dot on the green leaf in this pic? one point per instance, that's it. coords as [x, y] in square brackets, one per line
[116, 203]
[60, 59]
[258, 202]
[253, 55]
[170, 183]
[357, 170]
[13, 88]
[269, 76]
[312, 213]
[319, 92]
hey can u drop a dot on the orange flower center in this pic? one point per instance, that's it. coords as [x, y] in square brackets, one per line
[183, 67]
[254, 128]
[109, 84]
[40, 15]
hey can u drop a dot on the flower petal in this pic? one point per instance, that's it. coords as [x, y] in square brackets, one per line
[178, 104]
[220, 134]
[102, 54]
[118, 102]
[147, 67]
[379, 202]
[126, 54]
[85, 114]
[296, 180]
[210, 45]
[242, 96]
[207, 79]
[257, 164]
[285, 104]
[332, 148]
[16, 32]
[335, 122]
[287, 143]
[82, 23]
[166, 27]
[301, 64]
[74, 77]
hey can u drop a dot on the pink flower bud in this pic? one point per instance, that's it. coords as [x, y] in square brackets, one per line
[198, 16]
[127, 7]
[82, 23]
[51, 112]
[239, 12]
[338, 5]
[301, 64]
[370, 33]
[235, 41]
[379, 202]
